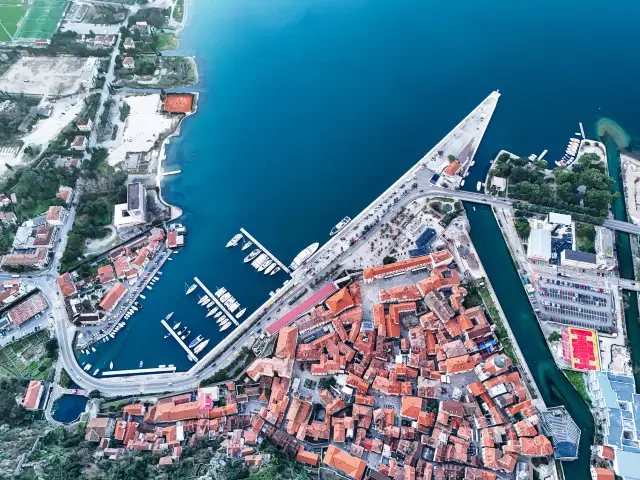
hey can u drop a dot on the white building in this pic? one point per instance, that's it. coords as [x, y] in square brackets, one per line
[133, 212]
[558, 219]
[604, 244]
[539, 245]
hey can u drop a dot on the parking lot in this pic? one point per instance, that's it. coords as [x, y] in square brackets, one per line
[575, 303]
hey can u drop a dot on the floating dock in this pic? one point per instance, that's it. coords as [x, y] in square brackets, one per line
[112, 373]
[265, 251]
[190, 354]
[582, 131]
[172, 172]
[541, 156]
[217, 300]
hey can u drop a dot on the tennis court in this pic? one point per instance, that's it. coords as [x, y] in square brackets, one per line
[10, 16]
[42, 19]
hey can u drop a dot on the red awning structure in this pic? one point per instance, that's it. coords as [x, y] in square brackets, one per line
[302, 308]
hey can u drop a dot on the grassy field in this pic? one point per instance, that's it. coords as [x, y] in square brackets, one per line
[167, 41]
[42, 19]
[577, 379]
[26, 358]
[10, 16]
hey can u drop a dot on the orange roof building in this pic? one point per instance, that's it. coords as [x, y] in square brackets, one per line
[67, 287]
[287, 341]
[178, 103]
[340, 301]
[106, 274]
[411, 407]
[345, 463]
[602, 474]
[309, 458]
[452, 168]
[112, 298]
[32, 395]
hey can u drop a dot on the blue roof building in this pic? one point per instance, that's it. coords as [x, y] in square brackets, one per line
[614, 396]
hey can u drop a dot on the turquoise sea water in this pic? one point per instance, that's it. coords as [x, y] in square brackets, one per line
[309, 108]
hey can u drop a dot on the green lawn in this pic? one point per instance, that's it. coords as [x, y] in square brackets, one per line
[577, 379]
[10, 16]
[166, 41]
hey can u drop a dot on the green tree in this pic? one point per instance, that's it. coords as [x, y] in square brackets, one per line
[587, 159]
[522, 227]
[451, 158]
[52, 348]
[555, 337]
[94, 394]
[389, 260]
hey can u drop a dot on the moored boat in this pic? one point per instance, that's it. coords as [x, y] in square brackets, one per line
[304, 256]
[234, 240]
[246, 244]
[339, 226]
[240, 313]
[275, 270]
[252, 255]
[270, 268]
[195, 341]
[201, 346]
[191, 288]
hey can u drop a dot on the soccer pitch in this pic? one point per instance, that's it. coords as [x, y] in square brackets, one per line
[10, 16]
[42, 19]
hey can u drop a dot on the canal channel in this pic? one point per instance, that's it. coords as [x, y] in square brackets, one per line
[553, 385]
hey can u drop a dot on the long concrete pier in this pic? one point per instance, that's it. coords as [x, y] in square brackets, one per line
[190, 354]
[265, 251]
[217, 300]
[115, 373]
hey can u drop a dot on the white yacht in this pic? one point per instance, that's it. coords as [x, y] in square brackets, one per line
[191, 288]
[225, 326]
[246, 244]
[275, 270]
[225, 297]
[240, 313]
[211, 312]
[234, 241]
[203, 300]
[217, 314]
[304, 255]
[211, 303]
[270, 268]
[265, 265]
[220, 292]
[258, 261]
[252, 255]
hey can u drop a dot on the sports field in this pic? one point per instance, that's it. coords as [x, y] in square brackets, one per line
[11, 12]
[42, 19]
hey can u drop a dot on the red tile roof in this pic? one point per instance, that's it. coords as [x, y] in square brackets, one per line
[32, 395]
[342, 461]
[113, 296]
[340, 301]
[67, 287]
[452, 168]
[287, 341]
[106, 274]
